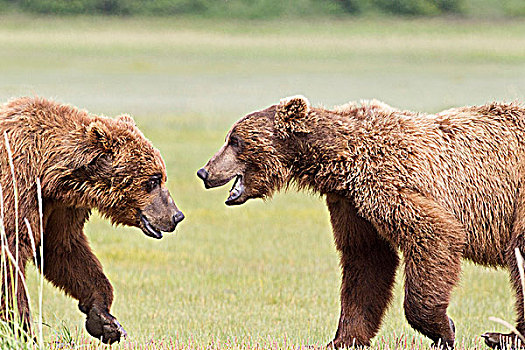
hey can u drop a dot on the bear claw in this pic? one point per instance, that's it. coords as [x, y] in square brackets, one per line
[340, 344]
[452, 325]
[102, 325]
[502, 341]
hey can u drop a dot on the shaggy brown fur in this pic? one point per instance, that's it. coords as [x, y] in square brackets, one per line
[437, 187]
[83, 162]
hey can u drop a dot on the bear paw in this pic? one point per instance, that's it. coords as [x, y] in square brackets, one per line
[102, 325]
[340, 344]
[503, 341]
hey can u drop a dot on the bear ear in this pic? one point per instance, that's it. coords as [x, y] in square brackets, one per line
[291, 115]
[126, 118]
[99, 135]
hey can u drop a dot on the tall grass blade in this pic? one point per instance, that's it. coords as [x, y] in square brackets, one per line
[18, 271]
[508, 325]
[12, 332]
[15, 193]
[519, 259]
[41, 286]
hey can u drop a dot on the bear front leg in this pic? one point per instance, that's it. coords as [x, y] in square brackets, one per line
[427, 295]
[368, 265]
[70, 264]
[432, 241]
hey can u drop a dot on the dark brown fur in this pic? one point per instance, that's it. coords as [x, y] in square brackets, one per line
[83, 162]
[437, 187]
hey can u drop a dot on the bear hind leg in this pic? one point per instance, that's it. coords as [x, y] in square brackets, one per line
[15, 312]
[511, 340]
[505, 340]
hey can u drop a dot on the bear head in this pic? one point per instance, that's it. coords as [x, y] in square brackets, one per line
[116, 170]
[259, 151]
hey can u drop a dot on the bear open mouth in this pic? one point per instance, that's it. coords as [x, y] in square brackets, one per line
[148, 229]
[236, 192]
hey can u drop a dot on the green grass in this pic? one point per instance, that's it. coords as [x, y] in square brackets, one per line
[264, 274]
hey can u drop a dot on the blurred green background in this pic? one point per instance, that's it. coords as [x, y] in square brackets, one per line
[262, 272]
[265, 9]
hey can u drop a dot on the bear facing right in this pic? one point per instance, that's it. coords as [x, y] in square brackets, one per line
[436, 188]
[83, 162]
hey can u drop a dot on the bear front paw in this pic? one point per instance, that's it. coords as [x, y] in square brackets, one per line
[339, 343]
[102, 325]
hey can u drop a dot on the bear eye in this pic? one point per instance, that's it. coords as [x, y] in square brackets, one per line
[153, 182]
[234, 142]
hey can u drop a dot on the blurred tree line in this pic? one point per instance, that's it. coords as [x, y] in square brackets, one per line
[263, 9]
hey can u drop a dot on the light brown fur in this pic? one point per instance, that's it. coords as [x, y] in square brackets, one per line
[83, 162]
[437, 187]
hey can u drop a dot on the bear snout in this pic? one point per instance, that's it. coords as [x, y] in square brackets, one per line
[178, 217]
[202, 174]
[153, 226]
[161, 215]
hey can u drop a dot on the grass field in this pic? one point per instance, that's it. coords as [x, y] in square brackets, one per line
[265, 274]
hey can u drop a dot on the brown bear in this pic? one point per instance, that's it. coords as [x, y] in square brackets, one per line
[82, 162]
[437, 188]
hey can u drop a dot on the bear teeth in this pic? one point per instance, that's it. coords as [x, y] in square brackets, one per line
[237, 189]
[149, 230]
